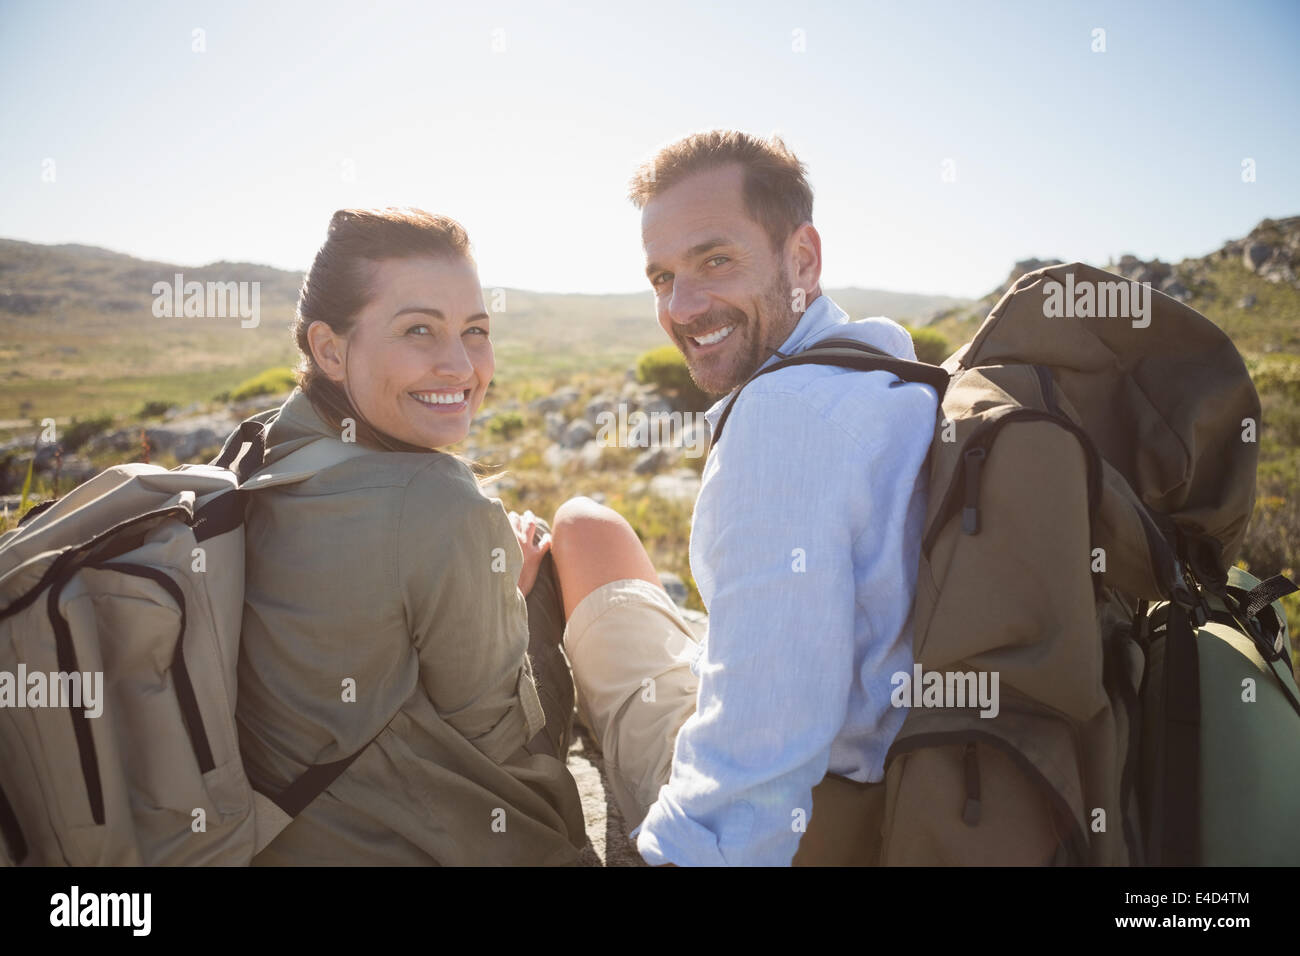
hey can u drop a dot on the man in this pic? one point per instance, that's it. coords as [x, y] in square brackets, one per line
[804, 544]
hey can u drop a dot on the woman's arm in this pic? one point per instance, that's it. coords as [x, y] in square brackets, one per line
[460, 563]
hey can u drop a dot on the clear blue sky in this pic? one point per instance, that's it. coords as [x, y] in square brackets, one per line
[240, 152]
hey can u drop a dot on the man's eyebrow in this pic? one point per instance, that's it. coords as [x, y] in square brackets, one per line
[435, 313]
[694, 252]
[700, 248]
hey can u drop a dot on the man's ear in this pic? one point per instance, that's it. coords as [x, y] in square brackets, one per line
[804, 259]
[329, 350]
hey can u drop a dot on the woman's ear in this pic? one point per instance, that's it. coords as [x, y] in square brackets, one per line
[329, 349]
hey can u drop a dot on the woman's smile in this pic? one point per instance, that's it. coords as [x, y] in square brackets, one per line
[443, 402]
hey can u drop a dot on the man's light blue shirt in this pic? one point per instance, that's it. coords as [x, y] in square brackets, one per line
[804, 546]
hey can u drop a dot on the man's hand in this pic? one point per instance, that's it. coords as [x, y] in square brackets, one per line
[525, 526]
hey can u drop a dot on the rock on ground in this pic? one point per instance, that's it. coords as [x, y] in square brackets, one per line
[608, 844]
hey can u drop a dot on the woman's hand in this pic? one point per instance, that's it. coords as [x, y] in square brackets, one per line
[525, 526]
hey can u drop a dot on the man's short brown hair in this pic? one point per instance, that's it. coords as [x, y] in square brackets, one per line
[776, 190]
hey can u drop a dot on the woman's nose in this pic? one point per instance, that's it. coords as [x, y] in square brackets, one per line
[452, 362]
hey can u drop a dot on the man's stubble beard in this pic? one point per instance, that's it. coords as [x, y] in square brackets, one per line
[773, 306]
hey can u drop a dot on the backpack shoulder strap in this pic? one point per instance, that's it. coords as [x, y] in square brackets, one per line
[275, 811]
[303, 463]
[850, 354]
[244, 453]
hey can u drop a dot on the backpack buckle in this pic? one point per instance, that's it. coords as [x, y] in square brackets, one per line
[1187, 594]
[1246, 607]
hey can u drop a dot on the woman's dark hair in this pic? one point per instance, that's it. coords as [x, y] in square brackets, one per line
[338, 287]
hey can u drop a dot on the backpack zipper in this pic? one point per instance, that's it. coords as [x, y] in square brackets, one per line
[966, 480]
[1076, 841]
[66, 562]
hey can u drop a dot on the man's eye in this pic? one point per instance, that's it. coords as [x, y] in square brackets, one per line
[417, 328]
[659, 279]
[716, 258]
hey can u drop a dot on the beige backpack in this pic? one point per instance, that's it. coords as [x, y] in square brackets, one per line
[120, 612]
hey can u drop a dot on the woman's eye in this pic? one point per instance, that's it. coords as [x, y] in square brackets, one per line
[417, 328]
[479, 329]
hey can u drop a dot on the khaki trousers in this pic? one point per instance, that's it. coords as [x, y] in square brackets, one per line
[631, 650]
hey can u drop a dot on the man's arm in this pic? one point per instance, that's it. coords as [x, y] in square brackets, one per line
[784, 509]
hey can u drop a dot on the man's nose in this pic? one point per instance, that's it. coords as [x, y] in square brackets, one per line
[688, 301]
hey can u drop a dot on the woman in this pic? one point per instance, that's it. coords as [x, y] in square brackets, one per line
[385, 607]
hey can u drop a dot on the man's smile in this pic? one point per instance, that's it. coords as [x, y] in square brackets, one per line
[703, 342]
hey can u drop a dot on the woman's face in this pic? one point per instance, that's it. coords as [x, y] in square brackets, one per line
[418, 359]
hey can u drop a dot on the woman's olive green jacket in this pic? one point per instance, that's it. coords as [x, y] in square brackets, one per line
[382, 599]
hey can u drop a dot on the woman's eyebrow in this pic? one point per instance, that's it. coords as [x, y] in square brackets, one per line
[421, 310]
[435, 313]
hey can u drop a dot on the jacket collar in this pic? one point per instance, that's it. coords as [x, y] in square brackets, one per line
[296, 425]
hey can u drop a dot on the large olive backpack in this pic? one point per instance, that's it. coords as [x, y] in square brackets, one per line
[1091, 477]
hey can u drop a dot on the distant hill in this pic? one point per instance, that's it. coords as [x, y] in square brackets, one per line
[77, 312]
[906, 307]
[78, 329]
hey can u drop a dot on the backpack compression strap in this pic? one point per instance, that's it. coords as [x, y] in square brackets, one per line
[850, 354]
[1180, 791]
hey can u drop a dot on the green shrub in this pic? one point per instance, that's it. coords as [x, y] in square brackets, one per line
[930, 346]
[80, 432]
[154, 409]
[1277, 373]
[274, 381]
[665, 369]
[506, 425]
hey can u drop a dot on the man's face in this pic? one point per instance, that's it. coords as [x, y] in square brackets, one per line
[722, 293]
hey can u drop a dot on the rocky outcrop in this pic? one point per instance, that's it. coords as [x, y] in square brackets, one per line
[1271, 251]
[579, 440]
[1173, 281]
[186, 439]
[186, 434]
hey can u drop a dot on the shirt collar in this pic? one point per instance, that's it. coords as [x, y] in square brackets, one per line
[821, 316]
